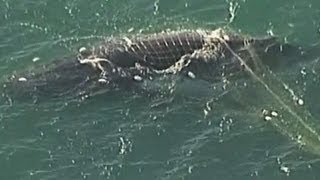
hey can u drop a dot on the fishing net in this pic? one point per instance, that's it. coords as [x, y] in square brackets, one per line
[241, 69]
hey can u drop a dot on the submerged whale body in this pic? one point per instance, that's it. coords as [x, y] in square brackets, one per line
[124, 62]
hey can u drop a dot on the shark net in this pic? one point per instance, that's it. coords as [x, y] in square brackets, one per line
[214, 57]
[222, 56]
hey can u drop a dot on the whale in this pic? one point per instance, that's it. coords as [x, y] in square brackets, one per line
[125, 61]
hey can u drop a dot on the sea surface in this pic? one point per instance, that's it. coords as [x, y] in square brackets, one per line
[260, 126]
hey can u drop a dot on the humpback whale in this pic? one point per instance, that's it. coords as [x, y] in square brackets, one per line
[124, 61]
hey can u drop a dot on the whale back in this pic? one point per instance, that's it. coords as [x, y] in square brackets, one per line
[126, 61]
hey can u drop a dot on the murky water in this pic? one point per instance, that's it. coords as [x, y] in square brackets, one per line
[197, 130]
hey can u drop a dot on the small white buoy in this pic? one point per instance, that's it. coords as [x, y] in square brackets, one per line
[137, 78]
[300, 102]
[267, 118]
[274, 114]
[101, 80]
[191, 75]
[22, 79]
[35, 59]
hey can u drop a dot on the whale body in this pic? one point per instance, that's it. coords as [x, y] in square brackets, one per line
[122, 62]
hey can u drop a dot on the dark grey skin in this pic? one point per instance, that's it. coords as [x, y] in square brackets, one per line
[126, 62]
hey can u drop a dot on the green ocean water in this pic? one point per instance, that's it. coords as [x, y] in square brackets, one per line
[198, 131]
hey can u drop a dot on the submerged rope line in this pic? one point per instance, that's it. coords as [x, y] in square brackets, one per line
[270, 90]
